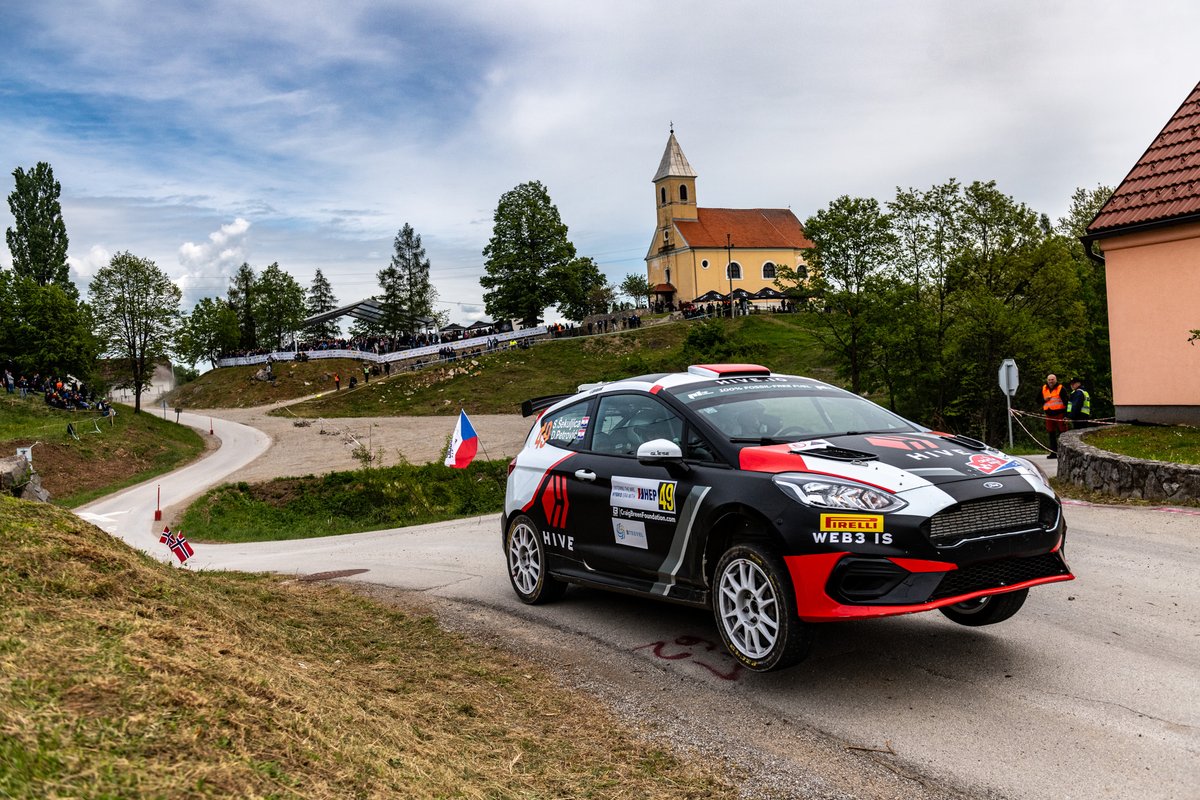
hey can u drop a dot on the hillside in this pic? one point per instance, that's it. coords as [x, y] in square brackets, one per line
[124, 677]
[109, 454]
[235, 387]
[498, 382]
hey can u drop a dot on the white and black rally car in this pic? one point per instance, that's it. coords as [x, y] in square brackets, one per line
[776, 500]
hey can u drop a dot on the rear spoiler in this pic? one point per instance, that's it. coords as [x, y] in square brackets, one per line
[536, 404]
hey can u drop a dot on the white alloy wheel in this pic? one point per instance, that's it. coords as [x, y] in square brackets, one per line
[749, 608]
[524, 558]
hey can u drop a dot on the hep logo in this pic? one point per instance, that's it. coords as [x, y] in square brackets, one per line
[554, 501]
[666, 497]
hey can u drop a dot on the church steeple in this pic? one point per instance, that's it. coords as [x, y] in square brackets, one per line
[674, 190]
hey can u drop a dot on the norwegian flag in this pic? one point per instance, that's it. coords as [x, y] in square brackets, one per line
[178, 545]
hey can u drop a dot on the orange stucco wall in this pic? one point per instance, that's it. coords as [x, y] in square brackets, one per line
[1153, 301]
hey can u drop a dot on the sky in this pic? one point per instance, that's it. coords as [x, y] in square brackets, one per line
[203, 133]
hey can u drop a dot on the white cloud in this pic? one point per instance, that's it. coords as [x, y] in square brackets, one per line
[85, 266]
[206, 266]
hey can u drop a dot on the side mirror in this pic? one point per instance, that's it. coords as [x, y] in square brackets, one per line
[659, 451]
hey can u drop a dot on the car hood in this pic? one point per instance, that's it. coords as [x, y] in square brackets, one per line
[901, 461]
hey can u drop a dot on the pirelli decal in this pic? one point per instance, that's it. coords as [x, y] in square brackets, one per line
[852, 523]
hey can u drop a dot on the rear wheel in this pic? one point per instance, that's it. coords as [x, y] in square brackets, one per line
[755, 609]
[527, 569]
[987, 610]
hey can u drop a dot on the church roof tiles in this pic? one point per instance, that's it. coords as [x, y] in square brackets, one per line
[747, 227]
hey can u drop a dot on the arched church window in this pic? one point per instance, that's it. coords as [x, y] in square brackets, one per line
[733, 271]
[683, 193]
[768, 271]
[662, 193]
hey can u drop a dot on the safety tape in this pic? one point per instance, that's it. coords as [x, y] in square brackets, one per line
[1089, 420]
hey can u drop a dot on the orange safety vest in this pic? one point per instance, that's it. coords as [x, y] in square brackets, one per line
[1052, 399]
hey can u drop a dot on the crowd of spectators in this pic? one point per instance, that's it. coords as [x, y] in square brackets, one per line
[373, 344]
[63, 393]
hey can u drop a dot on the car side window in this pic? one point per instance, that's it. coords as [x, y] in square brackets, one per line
[697, 448]
[625, 421]
[566, 428]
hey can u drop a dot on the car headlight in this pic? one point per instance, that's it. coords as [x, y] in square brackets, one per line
[834, 493]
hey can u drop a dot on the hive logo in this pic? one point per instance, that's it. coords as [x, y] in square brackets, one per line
[554, 501]
[858, 523]
[898, 442]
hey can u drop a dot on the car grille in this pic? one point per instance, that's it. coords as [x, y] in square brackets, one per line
[981, 517]
[995, 574]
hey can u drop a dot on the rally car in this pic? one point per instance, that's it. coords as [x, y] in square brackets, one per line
[775, 500]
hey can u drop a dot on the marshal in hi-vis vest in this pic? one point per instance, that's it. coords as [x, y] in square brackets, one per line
[1052, 399]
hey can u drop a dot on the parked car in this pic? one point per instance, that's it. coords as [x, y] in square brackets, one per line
[775, 500]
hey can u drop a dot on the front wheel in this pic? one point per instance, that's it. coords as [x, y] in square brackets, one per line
[755, 609]
[527, 568]
[987, 610]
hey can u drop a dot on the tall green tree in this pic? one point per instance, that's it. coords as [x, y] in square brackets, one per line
[241, 299]
[528, 240]
[210, 330]
[278, 307]
[407, 292]
[636, 287]
[136, 309]
[320, 300]
[38, 242]
[44, 329]
[853, 245]
[580, 288]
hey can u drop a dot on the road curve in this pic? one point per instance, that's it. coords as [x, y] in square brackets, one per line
[129, 514]
[1092, 691]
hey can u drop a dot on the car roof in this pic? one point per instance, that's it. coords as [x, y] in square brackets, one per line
[673, 381]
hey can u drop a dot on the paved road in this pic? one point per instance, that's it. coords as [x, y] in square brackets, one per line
[1092, 691]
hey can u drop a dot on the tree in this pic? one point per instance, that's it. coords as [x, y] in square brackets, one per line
[278, 307]
[637, 288]
[408, 295]
[38, 243]
[241, 300]
[853, 243]
[210, 330]
[320, 300]
[580, 288]
[136, 309]
[528, 240]
[44, 329]
[795, 282]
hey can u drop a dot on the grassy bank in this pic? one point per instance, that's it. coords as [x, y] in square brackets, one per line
[496, 383]
[124, 677]
[235, 387]
[108, 454]
[1178, 445]
[345, 502]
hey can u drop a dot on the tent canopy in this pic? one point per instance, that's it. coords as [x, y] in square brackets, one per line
[711, 296]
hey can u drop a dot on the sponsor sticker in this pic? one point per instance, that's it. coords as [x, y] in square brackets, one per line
[583, 423]
[865, 523]
[642, 493]
[630, 533]
[647, 516]
[989, 464]
[811, 444]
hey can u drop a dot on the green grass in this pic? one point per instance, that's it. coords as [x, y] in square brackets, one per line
[109, 454]
[124, 677]
[345, 502]
[235, 387]
[1177, 445]
[497, 383]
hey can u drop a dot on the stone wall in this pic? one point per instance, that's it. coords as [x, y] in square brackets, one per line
[1124, 476]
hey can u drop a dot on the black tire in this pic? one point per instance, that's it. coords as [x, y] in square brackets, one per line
[527, 568]
[987, 610]
[754, 606]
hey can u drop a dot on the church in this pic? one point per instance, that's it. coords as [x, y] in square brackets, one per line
[715, 251]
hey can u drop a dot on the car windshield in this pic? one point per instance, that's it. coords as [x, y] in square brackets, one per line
[787, 411]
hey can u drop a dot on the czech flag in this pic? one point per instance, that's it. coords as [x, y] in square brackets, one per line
[464, 444]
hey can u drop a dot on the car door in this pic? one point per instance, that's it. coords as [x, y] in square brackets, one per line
[634, 511]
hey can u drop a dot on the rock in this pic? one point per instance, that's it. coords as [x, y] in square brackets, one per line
[18, 479]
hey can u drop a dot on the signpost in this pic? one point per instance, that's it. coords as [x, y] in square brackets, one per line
[1009, 380]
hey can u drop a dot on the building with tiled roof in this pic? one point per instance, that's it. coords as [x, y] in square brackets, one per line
[1149, 232]
[697, 251]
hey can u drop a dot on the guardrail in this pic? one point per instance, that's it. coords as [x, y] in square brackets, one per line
[380, 358]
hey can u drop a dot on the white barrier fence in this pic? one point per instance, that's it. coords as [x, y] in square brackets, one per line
[379, 358]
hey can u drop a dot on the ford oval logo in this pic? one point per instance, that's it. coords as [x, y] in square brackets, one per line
[993, 485]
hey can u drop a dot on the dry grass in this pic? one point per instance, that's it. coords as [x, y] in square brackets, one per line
[123, 677]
